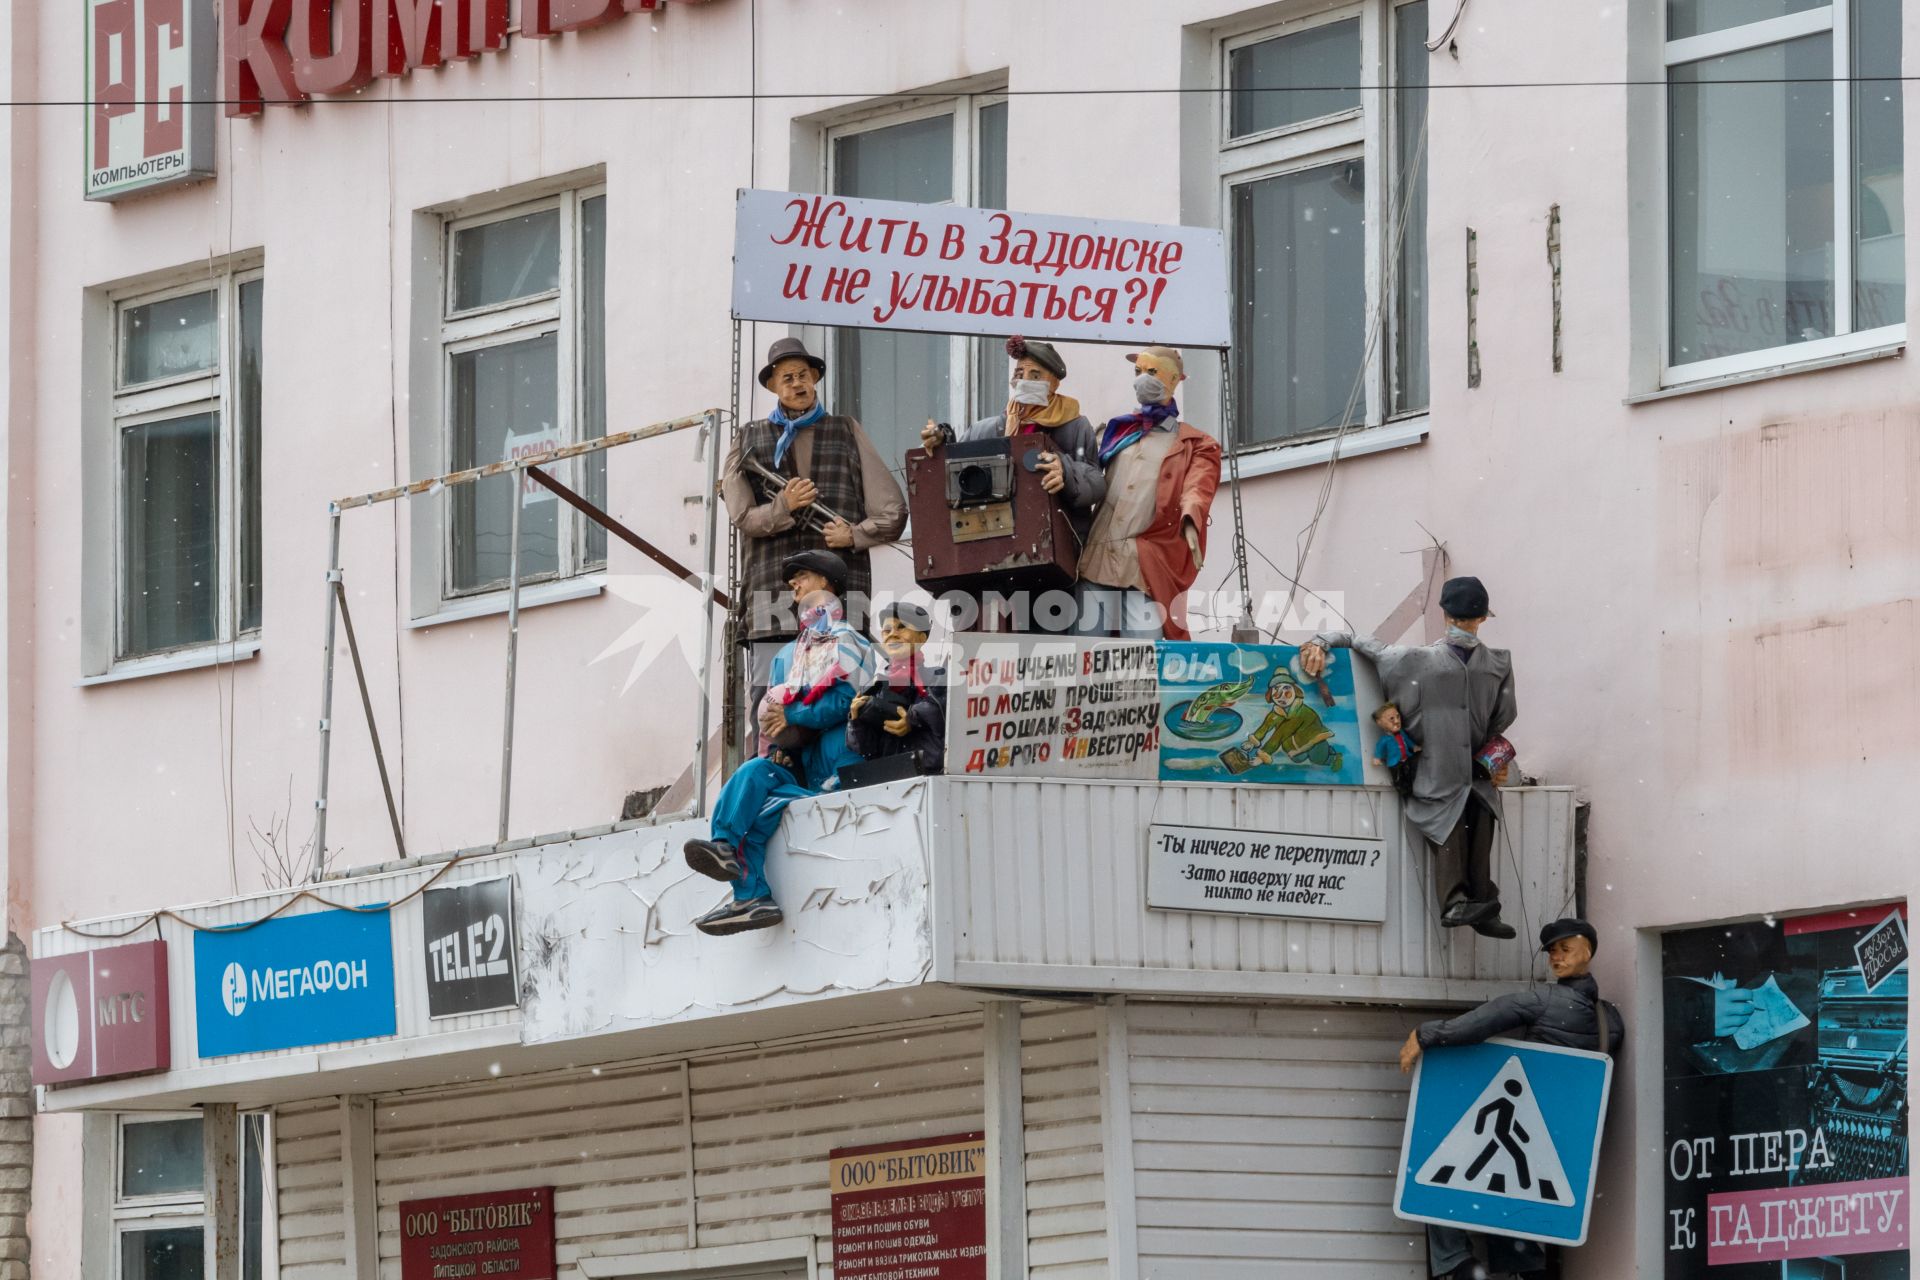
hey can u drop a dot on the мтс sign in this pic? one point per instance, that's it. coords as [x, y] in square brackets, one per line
[149, 122]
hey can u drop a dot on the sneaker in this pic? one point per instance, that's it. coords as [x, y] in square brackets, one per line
[716, 860]
[1494, 927]
[732, 917]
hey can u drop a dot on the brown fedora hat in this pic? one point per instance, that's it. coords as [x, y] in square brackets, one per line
[790, 349]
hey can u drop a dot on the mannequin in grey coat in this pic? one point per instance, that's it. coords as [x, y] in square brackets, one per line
[1453, 695]
[1071, 469]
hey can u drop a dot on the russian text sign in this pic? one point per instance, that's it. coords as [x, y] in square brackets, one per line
[914, 1210]
[1785, 1097]
[493, 1233]
[882, 264]
[1177, 711]
[1266, 873]
[101, 1013]
[149, 121]
[1504, 1137]
[292, 981]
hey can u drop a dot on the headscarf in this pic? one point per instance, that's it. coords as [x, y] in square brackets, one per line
[1130, 428]
[821, 654]
[790, 427]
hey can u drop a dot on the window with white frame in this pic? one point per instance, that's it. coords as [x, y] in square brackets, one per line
[158, 1203]
[186, 426]
[1786, 227]
[524, 341]
[953, 152]
[1323, 189]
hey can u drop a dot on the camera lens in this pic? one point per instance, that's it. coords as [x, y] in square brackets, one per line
[975, 481]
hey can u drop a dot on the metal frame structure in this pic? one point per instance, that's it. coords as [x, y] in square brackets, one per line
[710, 422]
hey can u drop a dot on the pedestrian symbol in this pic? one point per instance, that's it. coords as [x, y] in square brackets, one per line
[1504, 1137]
[1501, 1146]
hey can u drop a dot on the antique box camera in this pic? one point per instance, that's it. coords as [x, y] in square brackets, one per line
[981, 521]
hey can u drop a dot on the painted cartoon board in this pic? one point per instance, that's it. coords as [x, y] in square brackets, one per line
[1248, 714]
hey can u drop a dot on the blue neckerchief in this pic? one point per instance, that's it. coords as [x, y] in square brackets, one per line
[789, 427]
[1130, 428]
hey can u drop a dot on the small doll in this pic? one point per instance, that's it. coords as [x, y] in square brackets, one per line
[1397, 748]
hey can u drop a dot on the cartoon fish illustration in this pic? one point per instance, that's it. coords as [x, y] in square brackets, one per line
[1214, 697]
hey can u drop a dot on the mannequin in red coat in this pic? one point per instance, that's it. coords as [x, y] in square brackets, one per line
[1150, 538]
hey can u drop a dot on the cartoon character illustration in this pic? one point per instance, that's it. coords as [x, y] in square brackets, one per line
[1214, 697]
[1292, 728]
[1397, 747]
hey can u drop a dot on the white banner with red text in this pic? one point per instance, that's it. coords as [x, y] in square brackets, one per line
[880, 264]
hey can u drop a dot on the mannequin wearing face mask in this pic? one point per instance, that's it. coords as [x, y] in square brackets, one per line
[1454, 695]
[1070, 470]
[1149, 540]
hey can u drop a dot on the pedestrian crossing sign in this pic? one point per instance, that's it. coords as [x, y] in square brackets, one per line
[1504, 1137]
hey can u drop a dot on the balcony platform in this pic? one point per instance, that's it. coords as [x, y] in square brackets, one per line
[907, 900]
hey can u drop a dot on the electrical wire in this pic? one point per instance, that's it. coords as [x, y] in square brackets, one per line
[1459, 12]
[920, 95]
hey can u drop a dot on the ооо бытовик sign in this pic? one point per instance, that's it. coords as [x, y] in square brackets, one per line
[292, 981]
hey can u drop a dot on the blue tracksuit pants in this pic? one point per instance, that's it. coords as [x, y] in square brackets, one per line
[746, 815]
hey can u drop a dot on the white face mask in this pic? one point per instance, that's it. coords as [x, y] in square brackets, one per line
[1462, 637]
[1148, 389]
[1031, 391]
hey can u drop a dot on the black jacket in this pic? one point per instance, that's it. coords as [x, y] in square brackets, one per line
[1561, 1015]
[926, 717]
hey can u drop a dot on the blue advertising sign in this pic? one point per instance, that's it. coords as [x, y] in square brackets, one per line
[1504, 1137]
[294, 981]
[1250, 714]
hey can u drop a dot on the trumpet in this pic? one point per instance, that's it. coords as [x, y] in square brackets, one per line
[815, 516]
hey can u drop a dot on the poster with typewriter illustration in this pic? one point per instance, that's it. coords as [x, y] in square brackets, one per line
[1248, 713]
[1785, 1048]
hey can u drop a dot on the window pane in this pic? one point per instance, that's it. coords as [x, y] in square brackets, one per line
[1410, 373]
[170, 479]
[591, 472]
[1698, 17]
[512, 258]
[168, 339]
[172, 1253]
[246, 404]
[993, 157]
[912, 161]
[160, 1157]
[253, 1190]
[990, 360]
[1879, 214]
[1752, 193]
[1293, 78]
[1300, 270]
[505, 402]
[893, 382]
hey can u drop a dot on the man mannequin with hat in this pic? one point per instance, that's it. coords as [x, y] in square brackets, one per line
[803, 743]
[826, 464]
[1150, 538]
[1569, 1014]
[1454, 695]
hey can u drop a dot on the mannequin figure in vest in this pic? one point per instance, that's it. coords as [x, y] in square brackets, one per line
[825, 461]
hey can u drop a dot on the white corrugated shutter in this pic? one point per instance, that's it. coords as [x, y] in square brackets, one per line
[1066, 1173]
[764, 1122]
[1265, 1140]
[312, 1191]
[612, 1143]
